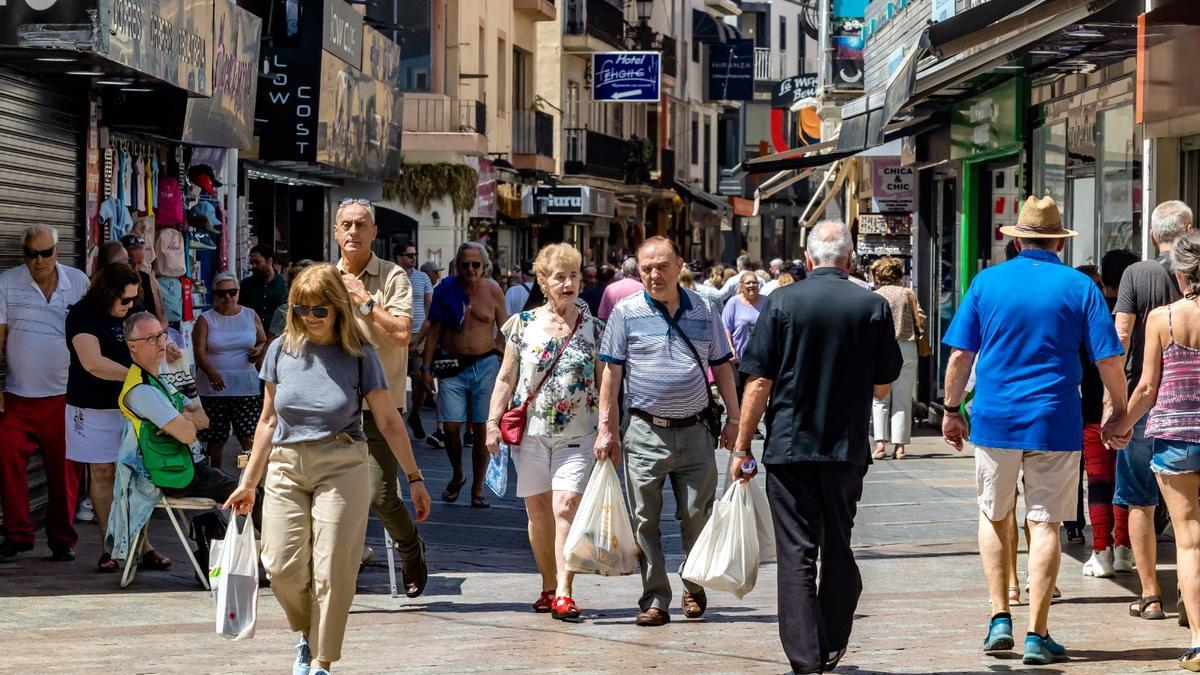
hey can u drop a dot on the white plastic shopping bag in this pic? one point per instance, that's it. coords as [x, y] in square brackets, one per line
[725, 556]
[496, 477]
[601, 539]
[236, 581]
[762, 516]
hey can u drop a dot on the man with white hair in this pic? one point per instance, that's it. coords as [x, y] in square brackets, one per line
[33, 315]
[821, 352]
[1145, 286]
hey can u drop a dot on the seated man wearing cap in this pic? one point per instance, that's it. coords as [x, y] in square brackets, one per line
[1026, 320]
[151, 294]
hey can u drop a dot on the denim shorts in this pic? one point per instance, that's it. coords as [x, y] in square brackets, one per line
[1174, 457]
[1136, 485]
[468, 392]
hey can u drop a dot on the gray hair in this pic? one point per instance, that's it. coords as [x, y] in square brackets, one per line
[133, 321]
[829, 243]
[483, 253]
[629, 268]
[34, 231]
[777, 264]
[355, 201]
[743, 263]
[1185, 257]
[225, 276]
[1169, 220]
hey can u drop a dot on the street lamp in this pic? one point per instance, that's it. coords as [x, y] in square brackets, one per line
[644, 9]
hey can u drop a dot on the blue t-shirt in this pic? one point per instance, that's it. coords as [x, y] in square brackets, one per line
[1027, 319]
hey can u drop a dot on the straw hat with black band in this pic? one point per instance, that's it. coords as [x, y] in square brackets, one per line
[1039, 219]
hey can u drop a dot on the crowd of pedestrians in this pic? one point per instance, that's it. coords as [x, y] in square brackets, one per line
[650, 365]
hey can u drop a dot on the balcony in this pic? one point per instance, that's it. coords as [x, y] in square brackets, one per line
[533, 141]
[439, 128]
[539, 10]
[670, 58]
[592, 153]
[766, 65]
[593, 26]
[724, 7]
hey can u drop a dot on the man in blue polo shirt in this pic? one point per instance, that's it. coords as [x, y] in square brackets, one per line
[664, 364]
[1025, 320]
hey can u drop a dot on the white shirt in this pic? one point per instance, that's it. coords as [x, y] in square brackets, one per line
[769, 286]
[36, 347]
[730, 288]
[515, 297]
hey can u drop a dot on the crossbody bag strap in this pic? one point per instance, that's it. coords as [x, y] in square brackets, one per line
[553, 364]
[912, 302]
[691, 347]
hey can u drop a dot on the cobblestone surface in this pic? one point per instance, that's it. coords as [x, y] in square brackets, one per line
[922, 610]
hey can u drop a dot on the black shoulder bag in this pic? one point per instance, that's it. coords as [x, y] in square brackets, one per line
[712, 413]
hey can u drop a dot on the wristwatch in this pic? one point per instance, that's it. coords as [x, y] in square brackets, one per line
[366, 307]
[415, 477]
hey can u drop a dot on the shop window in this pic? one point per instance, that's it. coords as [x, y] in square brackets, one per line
[1050, 161]
[1120, 180]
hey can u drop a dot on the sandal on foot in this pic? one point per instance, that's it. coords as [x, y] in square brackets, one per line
[1190, 660]
[565, 609]
[106, 564]
[480, 502]
[879, 454]
[899, 454]
[450, 494]
[1014, 595]
[1139, 608]
[154, 562]
[544, 602]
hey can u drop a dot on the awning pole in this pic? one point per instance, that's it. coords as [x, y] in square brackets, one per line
[817, 193]
[833, 191]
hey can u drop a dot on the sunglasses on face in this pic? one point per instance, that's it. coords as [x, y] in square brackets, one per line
[318, 311]
[125, 302]
[226, 293]
[44, 253]
[409, 255]
[156, 338]
[472, 264]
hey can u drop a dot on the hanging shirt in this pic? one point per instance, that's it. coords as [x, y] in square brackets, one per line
[139, 184]
[127, 178]
[154, 179]
[149, 189]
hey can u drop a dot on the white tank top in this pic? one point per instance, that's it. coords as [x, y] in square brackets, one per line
[230, 339]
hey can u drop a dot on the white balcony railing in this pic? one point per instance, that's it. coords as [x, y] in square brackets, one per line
[766, 66]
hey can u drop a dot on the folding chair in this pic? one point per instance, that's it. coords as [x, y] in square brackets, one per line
[391, 552]
[170, 505]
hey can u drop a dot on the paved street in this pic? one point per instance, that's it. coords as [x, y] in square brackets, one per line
[921, 612]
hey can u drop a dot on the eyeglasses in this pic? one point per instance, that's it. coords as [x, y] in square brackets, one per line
[156, 338]
[408, 255]
[226, 293]
[318, 311]
[355, 200]
[473, 264]
[44, 253]
[128, 301]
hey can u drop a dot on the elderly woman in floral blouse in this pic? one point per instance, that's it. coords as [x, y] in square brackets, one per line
[554, 458]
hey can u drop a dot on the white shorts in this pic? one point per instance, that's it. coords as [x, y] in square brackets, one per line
[1051, 483]
[94, 436]
[545, 464]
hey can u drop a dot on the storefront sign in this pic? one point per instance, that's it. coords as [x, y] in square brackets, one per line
[631, 77]
[891, 186]
[731, 71]
[287, 105]
[986, 122]
[46, 23]
[381, 56]
[485, 188]
[793, 90]
[342, 32]
[848, 44]
[227, 119]
[171, 40]
[358, 127]
[572, 200]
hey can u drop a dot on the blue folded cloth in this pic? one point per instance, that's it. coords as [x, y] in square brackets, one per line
[450, 302]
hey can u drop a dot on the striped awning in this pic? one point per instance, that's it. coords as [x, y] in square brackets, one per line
[708, 29]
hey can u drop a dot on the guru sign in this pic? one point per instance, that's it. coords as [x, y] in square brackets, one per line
[635, 77]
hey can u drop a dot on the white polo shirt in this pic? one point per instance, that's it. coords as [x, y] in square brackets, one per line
[36, 347]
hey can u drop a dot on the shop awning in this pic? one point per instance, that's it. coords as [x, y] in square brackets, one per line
[708, 29]
[811, 156]
[972, 20]
[696, 195]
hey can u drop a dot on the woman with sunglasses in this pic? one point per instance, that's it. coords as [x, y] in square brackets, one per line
[99, 363]
[311, 447]
[228, 341]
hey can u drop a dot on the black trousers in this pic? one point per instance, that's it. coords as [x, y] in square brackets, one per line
[215, 484]
[813, 506]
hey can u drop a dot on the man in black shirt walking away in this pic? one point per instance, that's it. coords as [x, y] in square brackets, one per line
[821, 350]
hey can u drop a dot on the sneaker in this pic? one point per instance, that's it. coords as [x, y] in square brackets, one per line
[85, 513]
[1040, 651]
[11, 549]
[1100, 565]
[1123, 560]
[201, 240]
[999, 636]
[436, 440]
[414, 425]
[303, 664]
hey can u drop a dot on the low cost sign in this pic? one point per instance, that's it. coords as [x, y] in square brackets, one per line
[635, 77]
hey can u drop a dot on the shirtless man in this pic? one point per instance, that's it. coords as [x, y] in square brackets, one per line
[462, 350]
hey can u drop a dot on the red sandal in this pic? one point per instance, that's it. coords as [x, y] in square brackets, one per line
[565, 609]
[544, 602]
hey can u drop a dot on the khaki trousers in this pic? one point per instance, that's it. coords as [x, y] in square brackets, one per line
[314, 524]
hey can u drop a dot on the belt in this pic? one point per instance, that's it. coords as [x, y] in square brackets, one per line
[667, 422]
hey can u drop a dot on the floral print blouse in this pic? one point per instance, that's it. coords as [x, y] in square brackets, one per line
[568, 405]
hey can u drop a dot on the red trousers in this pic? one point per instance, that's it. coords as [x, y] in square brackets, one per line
[26, 425]
[1110, 523]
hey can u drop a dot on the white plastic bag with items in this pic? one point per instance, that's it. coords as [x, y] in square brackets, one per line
[601, 539]
[762, 517]
[235, 581]
[726, 555]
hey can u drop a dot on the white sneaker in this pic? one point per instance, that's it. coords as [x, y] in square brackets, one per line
[1100, 565]
[1123, 559]
[85, 514]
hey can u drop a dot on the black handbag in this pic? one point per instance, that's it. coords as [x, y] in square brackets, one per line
[711, 415]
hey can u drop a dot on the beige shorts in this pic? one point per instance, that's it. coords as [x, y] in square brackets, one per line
[1051, 483]
[545, 464]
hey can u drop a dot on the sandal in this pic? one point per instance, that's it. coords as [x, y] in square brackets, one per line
[879, 454]
[1139, 608]
[899, 454]
[1014, 595]
[152, 561]
[1190, 660]
[565, 609]
[544, 602]
[450, 494]
[107, 565]
[479, 502]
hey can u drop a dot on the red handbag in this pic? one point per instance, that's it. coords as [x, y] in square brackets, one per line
[512, 422]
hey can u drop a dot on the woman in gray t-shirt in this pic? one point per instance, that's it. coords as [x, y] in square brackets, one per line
[311, 446]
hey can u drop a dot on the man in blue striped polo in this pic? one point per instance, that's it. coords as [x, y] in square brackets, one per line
[664, 340]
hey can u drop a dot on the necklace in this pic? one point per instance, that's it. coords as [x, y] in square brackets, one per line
[559, 321]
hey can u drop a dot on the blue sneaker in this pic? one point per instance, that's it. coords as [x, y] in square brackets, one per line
[303, 663]
[999, 636]
[1040, 651]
